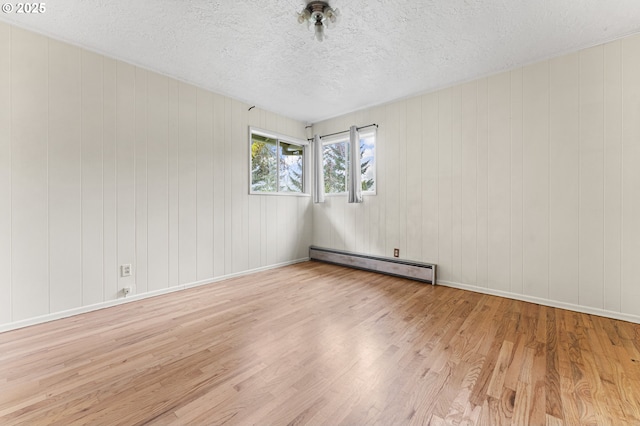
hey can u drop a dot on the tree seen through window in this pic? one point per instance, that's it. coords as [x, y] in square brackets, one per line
[276, 165]
[335, 158]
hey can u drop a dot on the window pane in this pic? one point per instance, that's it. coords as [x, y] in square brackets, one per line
[335, 168]
[291, 167]
[264, 164]
[368, 163]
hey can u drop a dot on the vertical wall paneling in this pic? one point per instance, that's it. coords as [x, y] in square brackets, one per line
[414, 179]
[65, 177]
[334, 208]
[187, 178]
[516, 182]
[456, 184]
[125, 171]
[482, 184]
[92, 173]
[5, 173]
[591, 292]
[158, 181]
[384, 183]
[204, 185]
[630, 290]
[173, 154]
[528, 181]
[469, 174]
[351, 212]
[375, 244]
[401, 188]
[305, 217]
[444, 183]
[239, 187]
[242, 155]
[29, 169]
[535, 179]
[286, 227]
[564, 185]
[218, 186]
[392, 172]
[228, 196]
[109, 181]
[303, 235]
[499, 180]
[104, 164]
[430, 178]
[612, 174]
[320, 223]
[141, 269]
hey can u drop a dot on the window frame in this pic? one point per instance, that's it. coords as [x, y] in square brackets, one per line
[285, 139]
[345, 138]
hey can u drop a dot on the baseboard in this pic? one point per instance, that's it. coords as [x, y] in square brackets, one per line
[545, 302]
[84, 309]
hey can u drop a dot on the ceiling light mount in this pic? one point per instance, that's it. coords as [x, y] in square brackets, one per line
[320, 14]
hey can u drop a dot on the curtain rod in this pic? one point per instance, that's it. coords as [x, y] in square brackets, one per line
[345, 131]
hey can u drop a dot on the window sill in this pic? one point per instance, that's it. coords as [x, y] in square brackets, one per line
[345, 194]
[285, 194]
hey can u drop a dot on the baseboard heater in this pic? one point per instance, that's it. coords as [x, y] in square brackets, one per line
[419, 271]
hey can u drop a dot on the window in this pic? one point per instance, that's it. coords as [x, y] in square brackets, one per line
[277, 163]
[335, 153]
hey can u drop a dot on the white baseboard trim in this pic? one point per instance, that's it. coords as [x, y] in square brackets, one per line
[546, 302]
[132, 298]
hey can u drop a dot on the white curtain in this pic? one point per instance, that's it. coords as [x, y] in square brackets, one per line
[355, 176]
[318, 171]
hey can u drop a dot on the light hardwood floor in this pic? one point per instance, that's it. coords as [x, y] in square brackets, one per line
[319, 344]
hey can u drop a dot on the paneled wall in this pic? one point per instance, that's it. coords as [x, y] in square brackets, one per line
[524, 184]
[104, 164]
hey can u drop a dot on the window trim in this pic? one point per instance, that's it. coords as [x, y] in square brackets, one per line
[287, 139]
[345, 138]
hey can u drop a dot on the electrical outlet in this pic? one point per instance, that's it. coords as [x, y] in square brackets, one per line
[396, 252]
[125, 270]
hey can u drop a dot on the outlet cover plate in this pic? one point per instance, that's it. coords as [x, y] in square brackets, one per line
[125, 270]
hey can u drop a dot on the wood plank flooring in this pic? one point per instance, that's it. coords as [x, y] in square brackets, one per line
[319, 344]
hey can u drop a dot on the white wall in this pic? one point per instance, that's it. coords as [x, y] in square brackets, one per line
[103, 163]
[524, 184]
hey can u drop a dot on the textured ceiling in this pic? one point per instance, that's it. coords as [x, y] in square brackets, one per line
[383, 50]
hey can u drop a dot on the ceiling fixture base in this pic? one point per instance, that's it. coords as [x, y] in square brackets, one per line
[321, 15]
